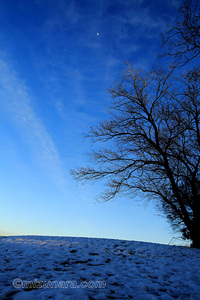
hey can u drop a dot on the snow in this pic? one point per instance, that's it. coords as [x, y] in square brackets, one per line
[38, 267]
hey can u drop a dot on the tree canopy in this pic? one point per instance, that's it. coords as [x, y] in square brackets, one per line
[182, 40]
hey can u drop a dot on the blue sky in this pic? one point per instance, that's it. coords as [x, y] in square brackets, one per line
[57, 58]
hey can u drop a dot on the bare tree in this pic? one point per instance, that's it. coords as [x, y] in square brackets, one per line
[182, 41]
[152, 144]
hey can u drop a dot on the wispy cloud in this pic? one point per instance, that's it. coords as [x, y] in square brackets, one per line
[16, 104]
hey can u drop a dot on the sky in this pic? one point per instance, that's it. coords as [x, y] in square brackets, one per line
[57, 59]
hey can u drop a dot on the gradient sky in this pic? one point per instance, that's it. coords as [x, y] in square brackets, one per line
[57, 58]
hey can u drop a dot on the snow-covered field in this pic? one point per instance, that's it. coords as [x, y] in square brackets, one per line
[38, 267]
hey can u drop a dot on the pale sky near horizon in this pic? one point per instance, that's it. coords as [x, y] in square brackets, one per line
[57, 59]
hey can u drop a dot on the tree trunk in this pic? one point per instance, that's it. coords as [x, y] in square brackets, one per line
[196, 239]
[195, 231]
